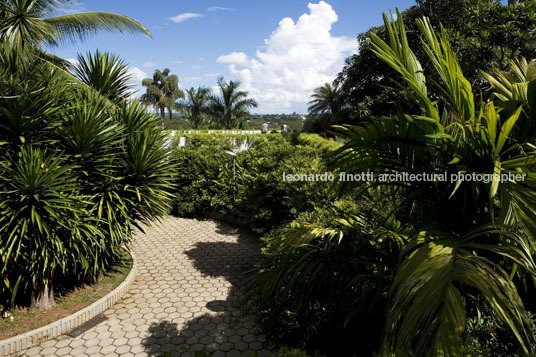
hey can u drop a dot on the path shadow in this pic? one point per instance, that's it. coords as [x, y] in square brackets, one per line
[227, 330]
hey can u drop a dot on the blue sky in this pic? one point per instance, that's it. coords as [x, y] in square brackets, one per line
[279, 49]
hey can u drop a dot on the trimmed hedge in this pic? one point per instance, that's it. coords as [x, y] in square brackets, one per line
[257, 195]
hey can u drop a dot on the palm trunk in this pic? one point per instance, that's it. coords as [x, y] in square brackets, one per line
[43, 296]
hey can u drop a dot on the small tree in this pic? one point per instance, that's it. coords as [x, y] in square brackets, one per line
[231, 107]
[162, 91]
[196, 105]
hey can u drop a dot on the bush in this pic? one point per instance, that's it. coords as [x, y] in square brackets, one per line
[77, 173]
[256, 194]
[322, 282]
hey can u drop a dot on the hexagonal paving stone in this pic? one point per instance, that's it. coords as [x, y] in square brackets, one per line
[189, 275]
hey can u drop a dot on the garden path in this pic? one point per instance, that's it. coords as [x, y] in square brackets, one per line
[188, 283]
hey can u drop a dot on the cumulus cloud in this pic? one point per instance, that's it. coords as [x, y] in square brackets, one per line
[183, 17]
[218, 8]
[73, 61]
[297, 57]
[137, 75]
[148, 64]
[236, 58]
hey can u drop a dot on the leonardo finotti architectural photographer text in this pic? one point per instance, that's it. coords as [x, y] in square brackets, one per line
[405, 177]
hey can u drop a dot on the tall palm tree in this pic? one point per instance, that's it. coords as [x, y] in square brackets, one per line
[162, 91]
[29, 24]
[326, 99]
[326, 106]
[106, 73]
[231, 107]
[196, 105]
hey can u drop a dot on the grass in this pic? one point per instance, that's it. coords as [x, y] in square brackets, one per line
[20, 320]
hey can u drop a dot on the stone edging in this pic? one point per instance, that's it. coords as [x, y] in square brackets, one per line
[23, 341]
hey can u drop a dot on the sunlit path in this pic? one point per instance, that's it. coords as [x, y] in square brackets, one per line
[189, 279]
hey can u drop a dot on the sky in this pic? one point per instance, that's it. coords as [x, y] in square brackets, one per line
[280, 50]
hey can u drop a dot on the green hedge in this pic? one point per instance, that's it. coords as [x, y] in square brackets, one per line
[260, 197]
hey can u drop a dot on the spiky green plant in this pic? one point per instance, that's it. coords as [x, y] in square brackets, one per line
[44, 224]
[115, 174]
[463, 240]
[106, 73]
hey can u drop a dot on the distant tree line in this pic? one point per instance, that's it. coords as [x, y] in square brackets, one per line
[201, 108]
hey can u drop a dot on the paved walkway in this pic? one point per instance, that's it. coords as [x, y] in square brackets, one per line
[189, 280]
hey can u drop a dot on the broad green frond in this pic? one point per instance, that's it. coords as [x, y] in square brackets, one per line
[75, 27]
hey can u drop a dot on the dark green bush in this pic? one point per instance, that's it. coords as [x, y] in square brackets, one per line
[77, 174]
[257, 194]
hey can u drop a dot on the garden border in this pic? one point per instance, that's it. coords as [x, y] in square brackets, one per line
[62, 326]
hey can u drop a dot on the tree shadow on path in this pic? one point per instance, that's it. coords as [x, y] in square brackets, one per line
[224, 330]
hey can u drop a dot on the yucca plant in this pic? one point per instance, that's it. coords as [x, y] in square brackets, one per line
[463, 240]
[118, 171]
[106, 73]
[44, 223]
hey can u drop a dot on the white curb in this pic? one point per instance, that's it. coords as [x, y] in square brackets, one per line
[23, 341]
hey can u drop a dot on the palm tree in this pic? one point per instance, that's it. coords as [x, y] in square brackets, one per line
[106, 73]
[162, 91]
[326, 99]
[231, 107]
[196, 105]
[29, 24]
[469, 235]
[326, 107]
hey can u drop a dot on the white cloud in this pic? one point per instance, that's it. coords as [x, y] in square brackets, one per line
[218, 8]
[237, 58]
[192, 79]
[137, 75]
[72, 7]
[73, 61]
[203, 78]
[148, 64]
[297, 58]
[183, 17]
[196, 67]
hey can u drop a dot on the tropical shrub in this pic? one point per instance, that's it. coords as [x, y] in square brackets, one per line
[77, 173]
[431, 250]
[323, 281]
[255, 192]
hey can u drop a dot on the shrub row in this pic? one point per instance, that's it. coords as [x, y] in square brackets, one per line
[254, 191]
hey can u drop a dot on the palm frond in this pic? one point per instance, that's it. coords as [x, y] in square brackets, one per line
[75, 27]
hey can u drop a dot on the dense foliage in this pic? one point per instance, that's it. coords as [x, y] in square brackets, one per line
[253, 191]
[426, 267]
[484, 34]
[80, 167]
